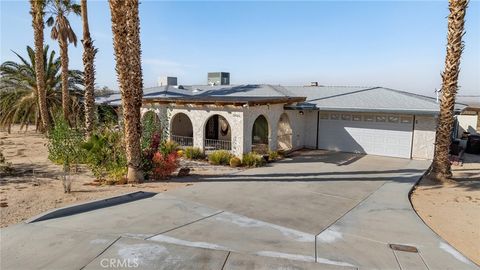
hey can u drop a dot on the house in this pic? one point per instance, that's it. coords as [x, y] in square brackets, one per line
[262, 117]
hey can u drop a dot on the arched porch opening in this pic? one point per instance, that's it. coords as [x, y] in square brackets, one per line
[284, 133]
[260, 135]
[181, 130]
[218, 134]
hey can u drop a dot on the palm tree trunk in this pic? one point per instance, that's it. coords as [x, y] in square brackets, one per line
[64, 61]
[126, 42]
[89, 71]
[441, 170]
[38, 26]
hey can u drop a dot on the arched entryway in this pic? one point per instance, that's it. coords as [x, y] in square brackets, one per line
[181, 130]
[260, 135]
[218, 134]
[284, 133]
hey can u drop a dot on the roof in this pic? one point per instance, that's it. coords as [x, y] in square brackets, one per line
[328, 98]
[367, 99]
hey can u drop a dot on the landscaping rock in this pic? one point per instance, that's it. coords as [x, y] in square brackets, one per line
[185, 171]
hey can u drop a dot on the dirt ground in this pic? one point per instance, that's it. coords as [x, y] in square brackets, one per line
[453, 210]
[35, 186]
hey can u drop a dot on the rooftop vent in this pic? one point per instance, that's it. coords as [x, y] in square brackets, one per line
[166, 80]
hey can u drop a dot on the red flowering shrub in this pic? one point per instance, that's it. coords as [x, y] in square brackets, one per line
[164, 165]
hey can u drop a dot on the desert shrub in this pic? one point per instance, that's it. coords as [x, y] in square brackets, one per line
[2, 157]
[220, 157]
[253, 159]
[168, 147]
[106, 154]
[273, 155]
[194, 153]
[5, 167]
[65, 148]
[164, 165]
[65, 144]
[235, 162]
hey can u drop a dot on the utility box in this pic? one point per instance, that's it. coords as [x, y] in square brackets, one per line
[218, 78]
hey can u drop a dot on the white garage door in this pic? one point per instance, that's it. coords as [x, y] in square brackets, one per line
[376, 134]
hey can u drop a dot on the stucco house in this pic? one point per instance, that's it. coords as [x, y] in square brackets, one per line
[261, 117]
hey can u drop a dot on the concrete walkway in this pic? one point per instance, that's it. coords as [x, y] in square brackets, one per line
[318, 210]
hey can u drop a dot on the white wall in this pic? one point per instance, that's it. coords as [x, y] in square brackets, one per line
[466, 123]
[424, 137]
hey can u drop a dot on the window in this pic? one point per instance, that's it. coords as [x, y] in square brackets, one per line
[393, 119]
[324, 116]
[357, 118]
[368, 118]
[380, 118]
[405, 120]
[334, 116]
[346, 117]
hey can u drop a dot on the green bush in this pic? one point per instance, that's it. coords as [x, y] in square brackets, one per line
[106, 155]
[65, 144]
[235, 162]
[253, 159]
[220, 157]
[193, 153]
[273, 155]
[168, 147]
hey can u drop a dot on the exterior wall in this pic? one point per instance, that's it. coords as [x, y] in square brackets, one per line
[310, 129]
[272, 113]
[424, 137]
[199, 116]
[466, 123]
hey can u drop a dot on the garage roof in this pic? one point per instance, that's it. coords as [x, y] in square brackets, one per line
[367, 99]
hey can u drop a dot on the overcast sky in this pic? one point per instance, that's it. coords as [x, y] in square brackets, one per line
[398, 44]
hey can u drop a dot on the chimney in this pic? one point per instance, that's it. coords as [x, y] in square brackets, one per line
[218, 78]
[166, 80]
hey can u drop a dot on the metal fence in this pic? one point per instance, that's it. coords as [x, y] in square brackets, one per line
[217, 145]
[182, 140]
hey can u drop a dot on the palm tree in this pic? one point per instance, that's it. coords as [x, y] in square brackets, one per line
[63, 32]
[440, 169]
[36, 10]
[89, 70]
[18, 89]
[126, 43]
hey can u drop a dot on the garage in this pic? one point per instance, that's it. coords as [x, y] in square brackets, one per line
[375, 134]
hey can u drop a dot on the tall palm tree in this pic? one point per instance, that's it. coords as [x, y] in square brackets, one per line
[89, 52]
[440, 169]
[18, 89]
[63, 32]
[126, 43]
[37, 12]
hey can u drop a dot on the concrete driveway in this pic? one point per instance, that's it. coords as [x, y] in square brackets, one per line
[317, 210]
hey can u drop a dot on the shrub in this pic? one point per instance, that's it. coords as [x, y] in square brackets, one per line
[180, 153]
[220, 157]
[194, 153]
[65, 144]
[168, 147]
[106, 155]
[235, 162]
[253, 159]
[164, 165]
[273, 155]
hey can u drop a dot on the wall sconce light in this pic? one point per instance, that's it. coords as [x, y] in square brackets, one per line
[301, 113]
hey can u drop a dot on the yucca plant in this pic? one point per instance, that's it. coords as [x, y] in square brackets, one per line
[18, 84]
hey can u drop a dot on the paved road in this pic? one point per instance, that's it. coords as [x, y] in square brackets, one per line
[318, 210]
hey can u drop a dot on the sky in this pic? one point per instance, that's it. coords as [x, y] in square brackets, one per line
[396, 44]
